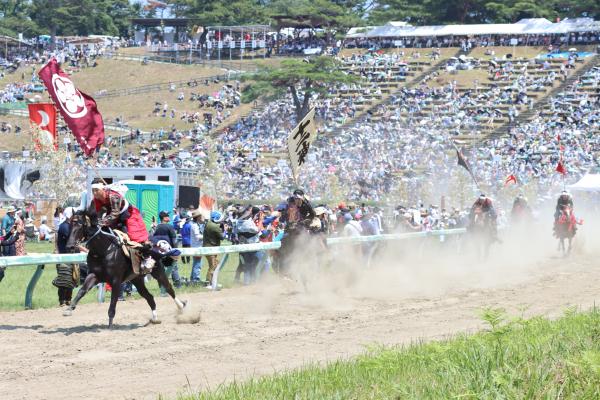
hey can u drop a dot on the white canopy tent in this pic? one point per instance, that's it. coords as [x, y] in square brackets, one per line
[590, 182]
[528, 26]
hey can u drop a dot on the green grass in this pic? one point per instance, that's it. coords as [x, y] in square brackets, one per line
[12, 288]
[519, 359]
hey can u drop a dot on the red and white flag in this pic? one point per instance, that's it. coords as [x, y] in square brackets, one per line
[43, 115]
[509, 179]
[77, 108]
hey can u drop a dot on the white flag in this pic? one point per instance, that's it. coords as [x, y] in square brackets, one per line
[300, 140]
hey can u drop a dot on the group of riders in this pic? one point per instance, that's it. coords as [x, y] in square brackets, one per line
[483, 211]
[119, 214]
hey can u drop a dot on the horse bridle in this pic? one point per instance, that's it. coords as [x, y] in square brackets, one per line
[98, 231]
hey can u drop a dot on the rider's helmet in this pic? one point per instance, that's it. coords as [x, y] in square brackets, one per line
[299, 194]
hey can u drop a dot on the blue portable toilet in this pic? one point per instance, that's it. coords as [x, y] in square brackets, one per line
[150, 197]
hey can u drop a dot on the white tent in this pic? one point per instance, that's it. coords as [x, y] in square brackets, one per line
[590, 182]
[528, 26]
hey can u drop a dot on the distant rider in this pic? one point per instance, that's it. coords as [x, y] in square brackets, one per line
[520, 209]
[297, 216]
[485, 206]
[565, 199]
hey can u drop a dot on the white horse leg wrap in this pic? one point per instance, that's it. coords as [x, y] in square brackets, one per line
[179, 303]
[154, 315]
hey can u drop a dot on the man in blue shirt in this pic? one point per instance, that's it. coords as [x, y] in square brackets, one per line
[8, 221]
[186, 236]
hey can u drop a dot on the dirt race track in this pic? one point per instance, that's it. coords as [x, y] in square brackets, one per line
[272, 326]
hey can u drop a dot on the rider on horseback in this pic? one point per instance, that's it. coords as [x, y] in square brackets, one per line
[126, 218]
[297, 216]
[484, 205]
[520, 209]
[565, 199]
[119, 213]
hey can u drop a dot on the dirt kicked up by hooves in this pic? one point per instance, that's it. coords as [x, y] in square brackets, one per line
[188, 315]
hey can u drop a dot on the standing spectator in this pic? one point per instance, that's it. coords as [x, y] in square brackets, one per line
[212, 238]
[165, 231]
[8, 242]
[248, 233]
[176, 221]
[20, 228]
[186, 235]
[197, 227]
[58, 217]
[67, 277]
[8, 220]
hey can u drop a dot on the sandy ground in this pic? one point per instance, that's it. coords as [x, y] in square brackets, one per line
[276, 325]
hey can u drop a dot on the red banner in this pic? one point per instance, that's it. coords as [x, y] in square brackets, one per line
[43, 115]
[77, 108]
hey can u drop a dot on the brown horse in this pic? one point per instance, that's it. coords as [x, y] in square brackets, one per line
[108, 263]
[565, 228]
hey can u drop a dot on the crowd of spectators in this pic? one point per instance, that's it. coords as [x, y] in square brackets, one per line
[466, 43]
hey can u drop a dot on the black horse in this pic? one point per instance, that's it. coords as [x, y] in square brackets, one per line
[108, 263]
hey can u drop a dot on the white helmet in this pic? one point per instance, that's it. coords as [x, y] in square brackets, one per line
[163, 246]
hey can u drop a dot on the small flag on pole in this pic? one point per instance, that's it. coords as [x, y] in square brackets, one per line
[462, 161]
[511, 178]
[560, 168]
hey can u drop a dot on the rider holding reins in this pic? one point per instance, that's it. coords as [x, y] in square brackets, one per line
[119, 213]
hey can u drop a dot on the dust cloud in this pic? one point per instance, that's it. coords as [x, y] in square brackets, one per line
[424, 268]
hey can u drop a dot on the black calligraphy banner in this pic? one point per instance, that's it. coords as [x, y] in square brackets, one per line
[300, 139]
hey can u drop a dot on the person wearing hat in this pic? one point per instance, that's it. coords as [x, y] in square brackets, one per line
[8, 220]
[120, 214]
[165, 231]
[212, 238]
[67, 275]
[247, 232]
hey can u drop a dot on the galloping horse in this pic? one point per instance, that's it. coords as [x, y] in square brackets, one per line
[565, 228]
[481, 231]
[108, 263]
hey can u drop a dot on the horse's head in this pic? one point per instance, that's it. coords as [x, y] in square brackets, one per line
[83, 225]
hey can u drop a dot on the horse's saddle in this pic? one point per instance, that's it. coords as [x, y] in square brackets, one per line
[132, 250]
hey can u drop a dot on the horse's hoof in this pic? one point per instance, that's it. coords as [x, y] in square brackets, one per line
[68, 312]
[185, 303]
[155, 321]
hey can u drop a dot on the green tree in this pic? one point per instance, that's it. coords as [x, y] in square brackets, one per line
[82, 17]
[236, 12]
[303, 79]
[14, 18]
